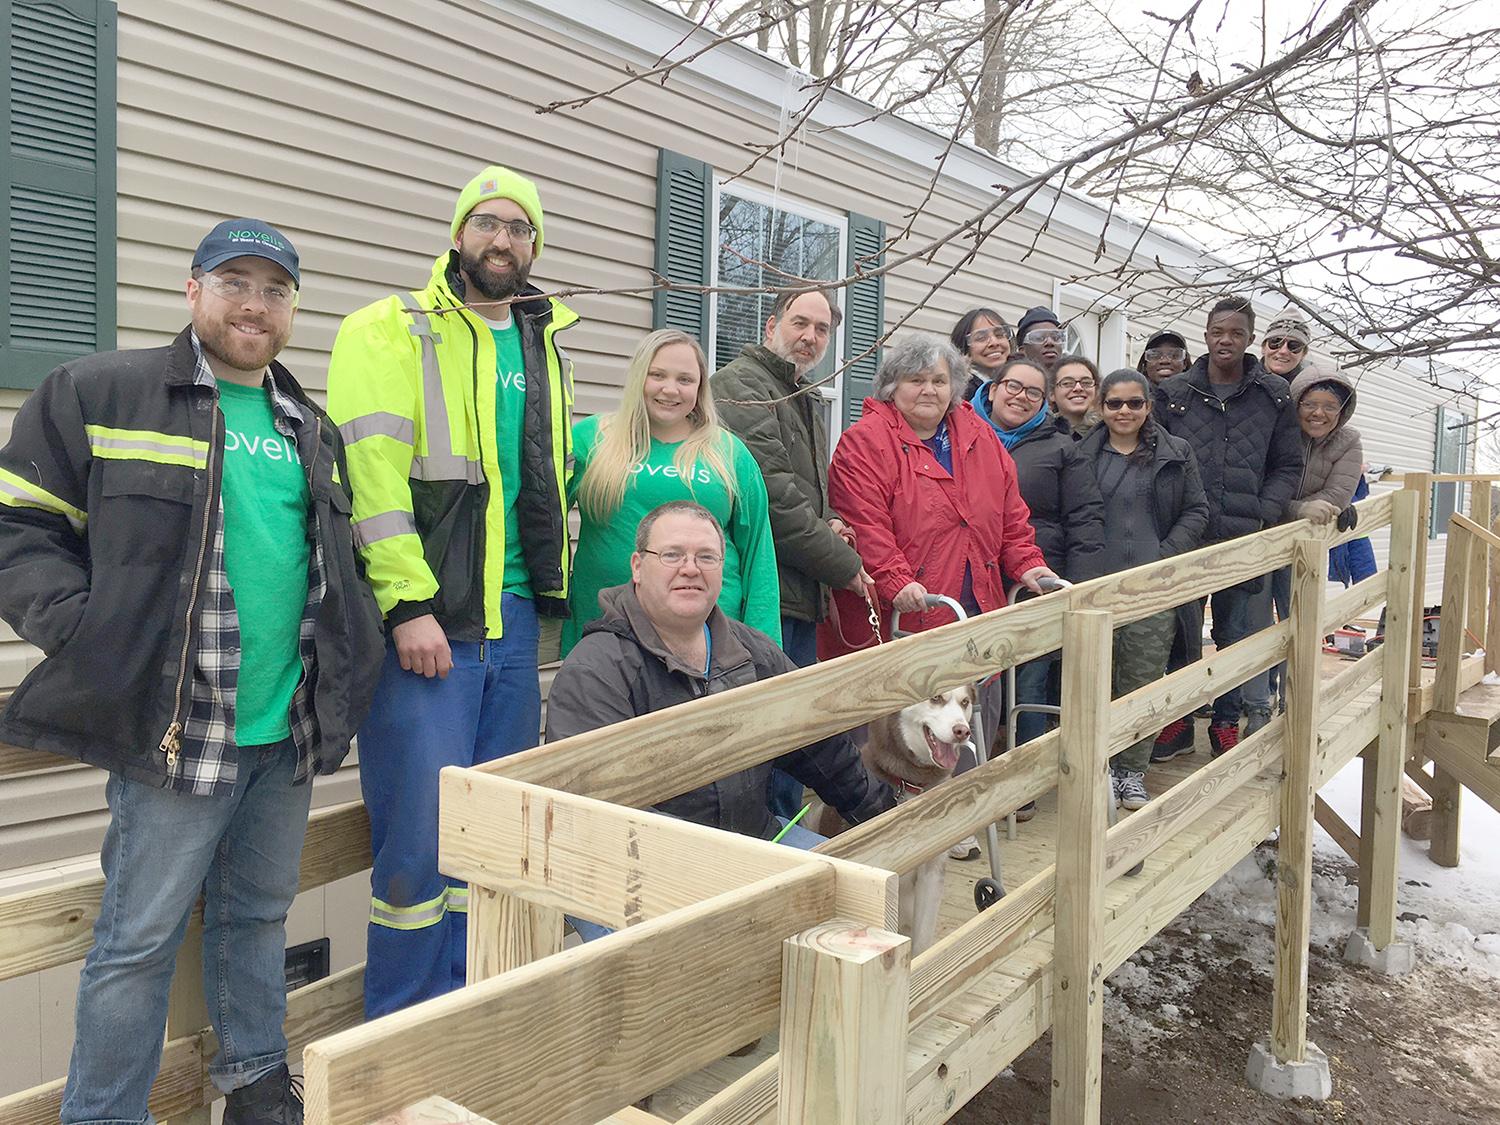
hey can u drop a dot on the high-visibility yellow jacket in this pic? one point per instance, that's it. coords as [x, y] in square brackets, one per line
[413, 393]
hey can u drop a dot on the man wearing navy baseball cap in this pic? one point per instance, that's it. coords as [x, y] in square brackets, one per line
[175, 539]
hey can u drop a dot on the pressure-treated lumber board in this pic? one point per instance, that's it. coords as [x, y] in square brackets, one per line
[330, 1005]
[1450, 761]
[1492, 608]
[1455, 595]
[187, 1010]
[17, 760]
[1328, 818]
[1299, 786]
[53, 925]
[1479, 560]
[653, 757]
[843, 1026]
[1083, 790]
[577, 1035]
[1379, 880]
[917, 829]
[1147, 709]
[505, 932]
[613, 865]
[1356, 600]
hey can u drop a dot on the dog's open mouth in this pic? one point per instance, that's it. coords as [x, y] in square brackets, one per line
[945, 754]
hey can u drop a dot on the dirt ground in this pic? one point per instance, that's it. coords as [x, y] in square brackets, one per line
[1180, 1019]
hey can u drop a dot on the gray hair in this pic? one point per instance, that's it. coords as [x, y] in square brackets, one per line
[911, 355]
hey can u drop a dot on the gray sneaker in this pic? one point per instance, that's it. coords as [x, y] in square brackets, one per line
[1255, 720]
[1130, 788]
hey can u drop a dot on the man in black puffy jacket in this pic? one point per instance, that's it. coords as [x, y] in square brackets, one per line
[1241, 424]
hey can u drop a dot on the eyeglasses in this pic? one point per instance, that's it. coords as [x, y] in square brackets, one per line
[706, 560]
[985, 335]
[489, 226]
[1177, 355]
[238, 290]
[1276, 343]
[1318, 408]
[1046, 336]
[1124, 404]
[1016, 387]
[1085, 383]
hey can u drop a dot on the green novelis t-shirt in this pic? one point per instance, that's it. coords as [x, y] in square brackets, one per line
[265, 511]
[752, 589]
[510, 416]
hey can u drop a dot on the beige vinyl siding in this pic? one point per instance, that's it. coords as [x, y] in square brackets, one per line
[352, 124]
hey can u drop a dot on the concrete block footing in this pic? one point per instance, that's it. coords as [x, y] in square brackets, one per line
[1395, 959]
[1285, 1080]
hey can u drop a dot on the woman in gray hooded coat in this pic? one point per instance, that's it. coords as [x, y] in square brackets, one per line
[1333, 458]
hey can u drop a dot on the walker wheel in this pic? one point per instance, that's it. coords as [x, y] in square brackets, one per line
[987, 892]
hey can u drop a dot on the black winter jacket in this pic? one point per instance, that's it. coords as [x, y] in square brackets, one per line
[1066, 511]
[621, 669]
[101, 560]
[1248, 446]
[1178, 506]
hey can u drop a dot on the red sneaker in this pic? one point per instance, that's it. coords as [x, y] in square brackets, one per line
[1176, 738]
[1223, 737]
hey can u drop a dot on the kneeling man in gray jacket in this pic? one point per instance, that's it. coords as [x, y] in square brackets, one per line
[662, 641]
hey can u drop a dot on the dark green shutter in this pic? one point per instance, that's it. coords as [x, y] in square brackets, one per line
[864, 312]
[684, 201]
[57, 286]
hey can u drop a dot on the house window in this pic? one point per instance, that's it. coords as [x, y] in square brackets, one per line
[711, 233]
[1096, 324]
[57, 186]
[764, 241]
[1450, 456]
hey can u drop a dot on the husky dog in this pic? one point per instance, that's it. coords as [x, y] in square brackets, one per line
[914, 749]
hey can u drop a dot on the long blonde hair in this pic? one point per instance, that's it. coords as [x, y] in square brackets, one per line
[625, 436]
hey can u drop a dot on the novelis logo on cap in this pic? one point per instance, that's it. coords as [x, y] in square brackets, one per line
[247, 238]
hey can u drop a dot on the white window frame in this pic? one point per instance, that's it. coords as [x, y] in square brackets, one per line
[778, 202]
[1114, 323]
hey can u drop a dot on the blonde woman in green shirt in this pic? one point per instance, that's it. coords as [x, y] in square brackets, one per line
[665, 443]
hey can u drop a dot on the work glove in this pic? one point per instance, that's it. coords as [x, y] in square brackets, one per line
[1348, 519]
[1319, 511]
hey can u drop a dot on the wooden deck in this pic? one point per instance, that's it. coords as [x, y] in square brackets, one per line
[955, 1052]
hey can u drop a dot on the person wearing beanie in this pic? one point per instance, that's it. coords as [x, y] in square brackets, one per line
[456, 402]
[1165, 354]
[1242, 427]
[1283, 348]
[175, 539]
[1041, 336]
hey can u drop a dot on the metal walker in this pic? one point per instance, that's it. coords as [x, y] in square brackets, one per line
[988, 891]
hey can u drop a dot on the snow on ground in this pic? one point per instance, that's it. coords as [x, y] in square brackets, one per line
[1451, 916]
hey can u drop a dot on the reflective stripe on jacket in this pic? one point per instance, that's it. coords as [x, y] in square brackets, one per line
[413, 393]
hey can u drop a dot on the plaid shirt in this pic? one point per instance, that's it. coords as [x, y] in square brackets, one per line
[208, 763]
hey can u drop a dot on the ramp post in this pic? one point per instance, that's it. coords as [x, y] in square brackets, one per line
[1287, 1066]
[845, 989]
[1374, 943]
[1083, 788]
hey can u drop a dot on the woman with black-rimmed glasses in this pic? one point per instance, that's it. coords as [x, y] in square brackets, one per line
[985, 341]
[1154, 507]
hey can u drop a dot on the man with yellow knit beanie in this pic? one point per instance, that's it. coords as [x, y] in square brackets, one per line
[454, 401]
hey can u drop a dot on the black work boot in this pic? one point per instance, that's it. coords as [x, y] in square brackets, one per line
[271, 1100]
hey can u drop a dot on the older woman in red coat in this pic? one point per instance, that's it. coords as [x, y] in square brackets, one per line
[931, 496]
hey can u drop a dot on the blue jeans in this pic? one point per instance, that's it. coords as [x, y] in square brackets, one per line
[799, 640]
[1034, 685]
[489, 706]
[242, 851]
[1261, 692]
[795, 836]
[1231, 617]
